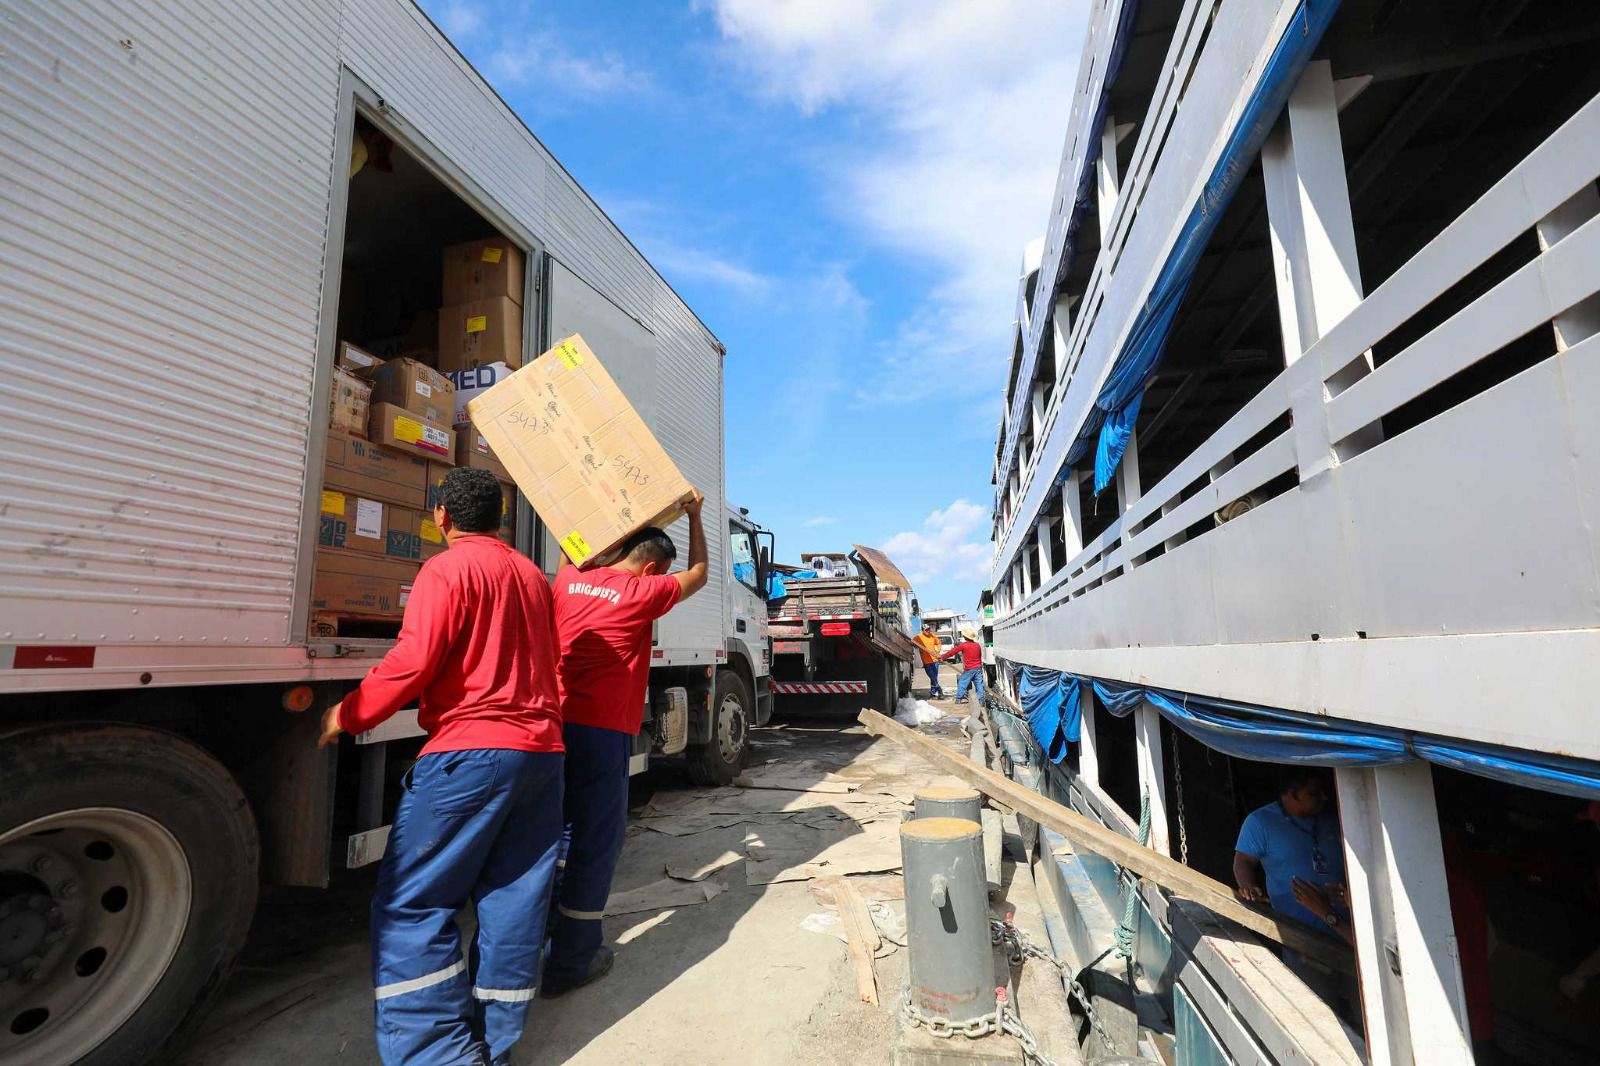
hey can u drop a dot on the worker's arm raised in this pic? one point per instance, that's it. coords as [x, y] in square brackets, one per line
[693, 578]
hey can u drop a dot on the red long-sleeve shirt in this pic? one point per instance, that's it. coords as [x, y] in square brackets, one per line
[971, 655]
[477, 644]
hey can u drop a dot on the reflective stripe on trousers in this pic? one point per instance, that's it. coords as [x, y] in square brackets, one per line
[597, 820]
[478, 826]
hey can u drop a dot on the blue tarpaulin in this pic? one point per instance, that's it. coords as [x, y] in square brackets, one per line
[1116, 406]
[1267, 734]
[1050, 700]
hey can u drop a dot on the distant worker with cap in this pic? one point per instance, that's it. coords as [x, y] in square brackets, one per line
[928, 647]
[971, 666]
[480, 813]
[603, 619]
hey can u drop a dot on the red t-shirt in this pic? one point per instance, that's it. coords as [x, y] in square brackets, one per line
[603, 621]
[477, 645]
[971, 655]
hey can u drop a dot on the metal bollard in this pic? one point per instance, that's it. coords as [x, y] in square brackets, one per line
[951, 965]
[941, 802]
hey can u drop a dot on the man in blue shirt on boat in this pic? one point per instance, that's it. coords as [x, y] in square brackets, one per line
[1290, 853]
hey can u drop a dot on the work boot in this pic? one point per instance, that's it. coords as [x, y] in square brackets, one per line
[599, 966]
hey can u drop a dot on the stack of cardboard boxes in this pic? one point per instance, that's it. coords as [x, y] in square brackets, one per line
[396, 426]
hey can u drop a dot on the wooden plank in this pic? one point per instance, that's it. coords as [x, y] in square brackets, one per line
[861, 937]
[1154, 867]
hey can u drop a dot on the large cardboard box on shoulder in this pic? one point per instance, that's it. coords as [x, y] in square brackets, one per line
[579, 451]
[481, 270]
[480, 331]
[365, 469]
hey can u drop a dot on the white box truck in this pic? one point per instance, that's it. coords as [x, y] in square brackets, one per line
[198, 202]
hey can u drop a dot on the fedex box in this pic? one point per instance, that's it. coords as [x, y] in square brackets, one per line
[579, 452]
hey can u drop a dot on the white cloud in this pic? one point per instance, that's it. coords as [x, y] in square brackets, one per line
[539, 58]
[965, 107]
[820, 520]
[458, 20]
[675, 261]
[513, 52]
[944, 548]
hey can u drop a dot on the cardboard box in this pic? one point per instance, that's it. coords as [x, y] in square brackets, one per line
[358, 361]
[419, 389]
[474, 382]
[508, 504]
[348, 402]
[410, 534]
[577, 449]
[351, 584]
[482, 270]
[395, 427]
[353, 523]
[478, 332]
[474, 453]
[360, 467]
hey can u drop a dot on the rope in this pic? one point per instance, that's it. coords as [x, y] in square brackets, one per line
[1130, 893]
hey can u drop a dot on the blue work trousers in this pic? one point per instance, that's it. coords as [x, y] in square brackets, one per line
[596, 813]
[934, 688]
[482, 826]
[969, 678]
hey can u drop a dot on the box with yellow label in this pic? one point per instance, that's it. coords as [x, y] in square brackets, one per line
[395, 427]
[579, 451]
[482, 270]
[349, 522]
[478, 332]
[362, 468]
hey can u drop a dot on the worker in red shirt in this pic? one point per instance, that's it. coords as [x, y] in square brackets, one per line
[480, 815]
[603, 619]
[971, 666]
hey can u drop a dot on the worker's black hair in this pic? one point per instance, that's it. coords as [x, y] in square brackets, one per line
[649, 545]
[472, 500]
[1293, 778]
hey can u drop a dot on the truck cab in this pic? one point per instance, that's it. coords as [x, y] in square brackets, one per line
[706, 712]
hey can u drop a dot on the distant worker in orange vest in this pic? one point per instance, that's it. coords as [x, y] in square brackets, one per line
[928, 645]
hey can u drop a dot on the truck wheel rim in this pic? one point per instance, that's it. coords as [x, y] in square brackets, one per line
[93, 905]
[730, 727]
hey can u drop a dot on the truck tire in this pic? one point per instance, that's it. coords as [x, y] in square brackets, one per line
[128, 863]
[719, 761]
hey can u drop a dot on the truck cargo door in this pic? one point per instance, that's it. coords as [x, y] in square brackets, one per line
[627, 348]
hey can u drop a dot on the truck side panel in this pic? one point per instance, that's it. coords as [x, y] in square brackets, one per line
[161, 296]
[160, 287]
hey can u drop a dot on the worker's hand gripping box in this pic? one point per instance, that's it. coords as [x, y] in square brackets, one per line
[579, 451]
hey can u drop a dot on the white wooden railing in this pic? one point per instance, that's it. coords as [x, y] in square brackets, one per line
[1327, 419]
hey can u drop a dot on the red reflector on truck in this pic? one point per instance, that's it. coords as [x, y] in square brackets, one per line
[836, 629]
[47, 657]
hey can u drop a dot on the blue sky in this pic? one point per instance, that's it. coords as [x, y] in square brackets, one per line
[841, 189]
